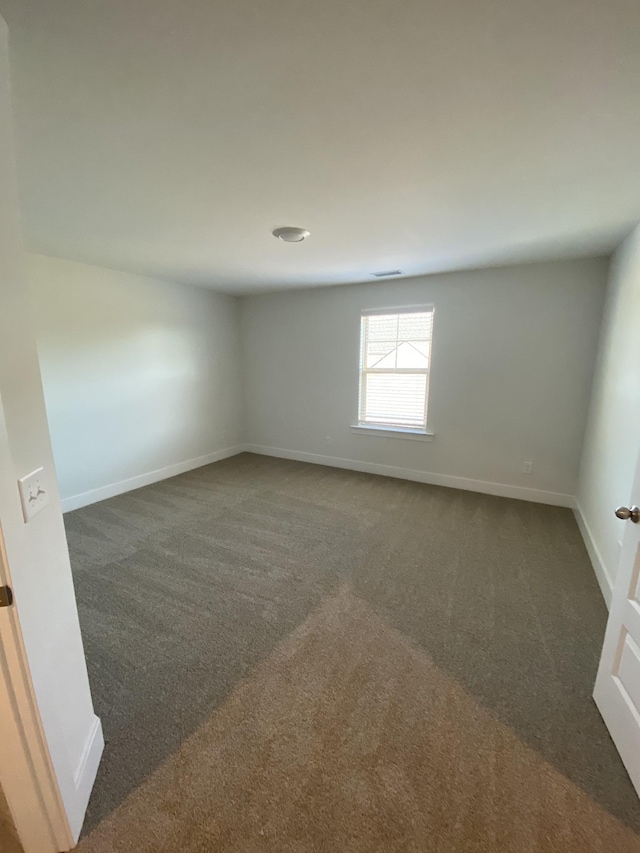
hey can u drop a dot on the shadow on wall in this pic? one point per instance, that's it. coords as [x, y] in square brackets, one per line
[139, 375]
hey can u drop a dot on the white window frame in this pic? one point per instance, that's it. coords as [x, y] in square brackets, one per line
[387, 429]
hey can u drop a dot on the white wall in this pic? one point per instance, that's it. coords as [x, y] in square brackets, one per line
[513, 355]
[612, 439]
[140, 376]
[37, 556]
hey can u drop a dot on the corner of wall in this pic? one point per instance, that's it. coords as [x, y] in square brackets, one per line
[608, 456]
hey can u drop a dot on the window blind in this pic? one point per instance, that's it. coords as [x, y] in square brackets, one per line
[395, 355]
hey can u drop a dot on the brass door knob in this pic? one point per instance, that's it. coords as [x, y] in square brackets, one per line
[626, 514]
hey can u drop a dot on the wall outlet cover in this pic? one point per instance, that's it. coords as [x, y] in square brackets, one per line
[34, 493]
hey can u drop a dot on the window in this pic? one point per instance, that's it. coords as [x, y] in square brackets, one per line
[395, 358]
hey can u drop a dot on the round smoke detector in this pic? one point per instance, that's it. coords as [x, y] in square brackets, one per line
[291, 235]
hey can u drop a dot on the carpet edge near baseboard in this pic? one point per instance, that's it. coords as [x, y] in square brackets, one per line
[146, 479]
[503, 490]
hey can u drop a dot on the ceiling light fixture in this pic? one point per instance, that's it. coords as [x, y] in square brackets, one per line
[291, 235]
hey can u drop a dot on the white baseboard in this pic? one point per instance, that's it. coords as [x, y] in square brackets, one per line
[113, 489]
[499, 489]
[603, 576]
[86, 776]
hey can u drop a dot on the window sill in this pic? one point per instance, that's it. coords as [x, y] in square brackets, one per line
[392, 432]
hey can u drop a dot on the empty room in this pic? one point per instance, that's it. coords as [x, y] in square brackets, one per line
[320, 426]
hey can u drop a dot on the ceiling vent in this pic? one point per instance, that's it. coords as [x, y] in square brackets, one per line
[386, 273]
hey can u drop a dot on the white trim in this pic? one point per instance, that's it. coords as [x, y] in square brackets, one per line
[391, 432]
[405, 309]
[485, 487]
[599, 567]
[27, 776]
[86, 775]
[366, 372]
[113, 489]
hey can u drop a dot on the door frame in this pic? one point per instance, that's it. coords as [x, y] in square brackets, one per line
[27, 775]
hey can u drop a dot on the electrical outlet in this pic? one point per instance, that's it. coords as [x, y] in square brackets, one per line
[327, 439]
[527, 467]
[34, 493]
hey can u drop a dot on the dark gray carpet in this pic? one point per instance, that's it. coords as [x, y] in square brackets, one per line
[186, 586]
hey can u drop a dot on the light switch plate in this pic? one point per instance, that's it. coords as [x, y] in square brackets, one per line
[34, 493]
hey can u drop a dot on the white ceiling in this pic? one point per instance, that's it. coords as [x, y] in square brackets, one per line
[169, 137]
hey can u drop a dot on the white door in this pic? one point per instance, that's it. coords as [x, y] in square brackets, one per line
[617, 690]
